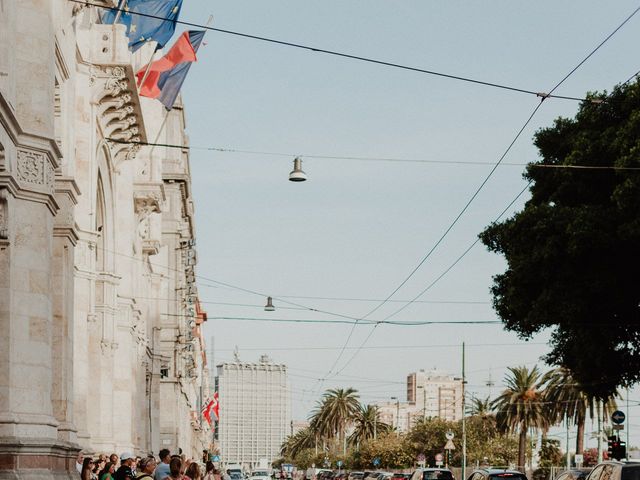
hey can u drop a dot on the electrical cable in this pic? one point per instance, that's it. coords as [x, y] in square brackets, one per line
[542, 95]
[447, 270]
[368, 159]
[367, 322]
[491, 172]
[382, 347]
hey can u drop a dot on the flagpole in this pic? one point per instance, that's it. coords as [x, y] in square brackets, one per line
[146, 72]
[121, 5]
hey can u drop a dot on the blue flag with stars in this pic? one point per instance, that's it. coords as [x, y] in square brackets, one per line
[158, 26]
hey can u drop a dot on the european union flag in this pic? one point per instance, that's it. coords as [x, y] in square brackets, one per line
[158, 26]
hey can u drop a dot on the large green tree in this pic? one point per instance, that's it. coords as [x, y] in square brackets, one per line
[520, 406]
[572, 252]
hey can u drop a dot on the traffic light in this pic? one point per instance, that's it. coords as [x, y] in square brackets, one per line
[611, 440]
[617, 449]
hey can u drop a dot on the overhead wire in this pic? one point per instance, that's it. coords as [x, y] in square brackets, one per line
[368, 159]
[335, 53]
[490, 174]
[370, 322]
[434, 282]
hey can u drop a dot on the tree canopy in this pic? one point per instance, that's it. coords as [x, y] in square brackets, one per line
[573, 252]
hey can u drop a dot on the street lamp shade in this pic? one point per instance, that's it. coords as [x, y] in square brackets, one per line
[297, 175]
[269, 306]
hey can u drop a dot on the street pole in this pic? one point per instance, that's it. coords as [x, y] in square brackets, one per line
[599, 409]
[568, 454]
[464, 422]
[375, 423]
[628, 427]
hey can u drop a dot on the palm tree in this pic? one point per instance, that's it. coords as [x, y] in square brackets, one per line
[480, 407]
[297, 442]
[569, 401]
[483, 410]
[336, 411]
[367, 425]
[520, 406]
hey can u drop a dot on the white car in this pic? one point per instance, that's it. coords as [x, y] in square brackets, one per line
[260, 475]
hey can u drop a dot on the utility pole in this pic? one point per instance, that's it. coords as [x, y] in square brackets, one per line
[375, 423]
[464, 422]
[628, 423]
[599, 409]
[568, 454]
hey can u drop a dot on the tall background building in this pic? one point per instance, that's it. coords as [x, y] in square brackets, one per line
[255, 411]
[429, 394]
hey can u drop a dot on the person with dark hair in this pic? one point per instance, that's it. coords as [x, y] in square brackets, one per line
[193, 472]
[146, 466]
[98, 465]
[209, 471]
[107, 472]
[162, 469]
[113, 458]
[175, 468]
[87, 468]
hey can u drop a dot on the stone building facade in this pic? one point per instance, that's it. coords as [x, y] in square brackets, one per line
[101, 346]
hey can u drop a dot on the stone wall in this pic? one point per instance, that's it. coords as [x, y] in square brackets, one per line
[100, 349]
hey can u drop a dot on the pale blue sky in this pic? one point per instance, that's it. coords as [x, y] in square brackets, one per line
[356, 229]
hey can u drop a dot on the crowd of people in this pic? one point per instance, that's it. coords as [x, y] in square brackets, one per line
[130, 467]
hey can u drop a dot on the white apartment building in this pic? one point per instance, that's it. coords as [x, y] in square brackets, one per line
[436, 393]
[255, 411]
[429, 394]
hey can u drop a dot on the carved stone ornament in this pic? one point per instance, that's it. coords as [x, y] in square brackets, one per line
[35, 169]
[119, 112]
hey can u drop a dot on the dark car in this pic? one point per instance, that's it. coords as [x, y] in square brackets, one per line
[497, 474]
[615, 471]
[356, 475]
[573, 474]
[432, 474]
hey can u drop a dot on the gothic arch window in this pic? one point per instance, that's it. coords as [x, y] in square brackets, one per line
[100, 226]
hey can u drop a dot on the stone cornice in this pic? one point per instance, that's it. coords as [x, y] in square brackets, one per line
[112, 79]
[30, 163]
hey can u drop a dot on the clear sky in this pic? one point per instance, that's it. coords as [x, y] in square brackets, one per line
[356, 229]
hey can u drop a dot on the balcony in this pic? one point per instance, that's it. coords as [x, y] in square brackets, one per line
[104, 50]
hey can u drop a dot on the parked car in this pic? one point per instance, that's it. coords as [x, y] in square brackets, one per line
[615, 471]
[496, 474]
[574, 474]
[401, 476]
[259, 475]
[432, 474]
[356, 476]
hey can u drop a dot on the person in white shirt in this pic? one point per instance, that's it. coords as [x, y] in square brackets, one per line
[79, 461]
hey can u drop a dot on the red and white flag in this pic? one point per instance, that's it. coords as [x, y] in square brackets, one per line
[216, 406]
[206, 410]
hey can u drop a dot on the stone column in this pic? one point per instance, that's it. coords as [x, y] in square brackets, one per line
[30, 442]
[64, 242]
